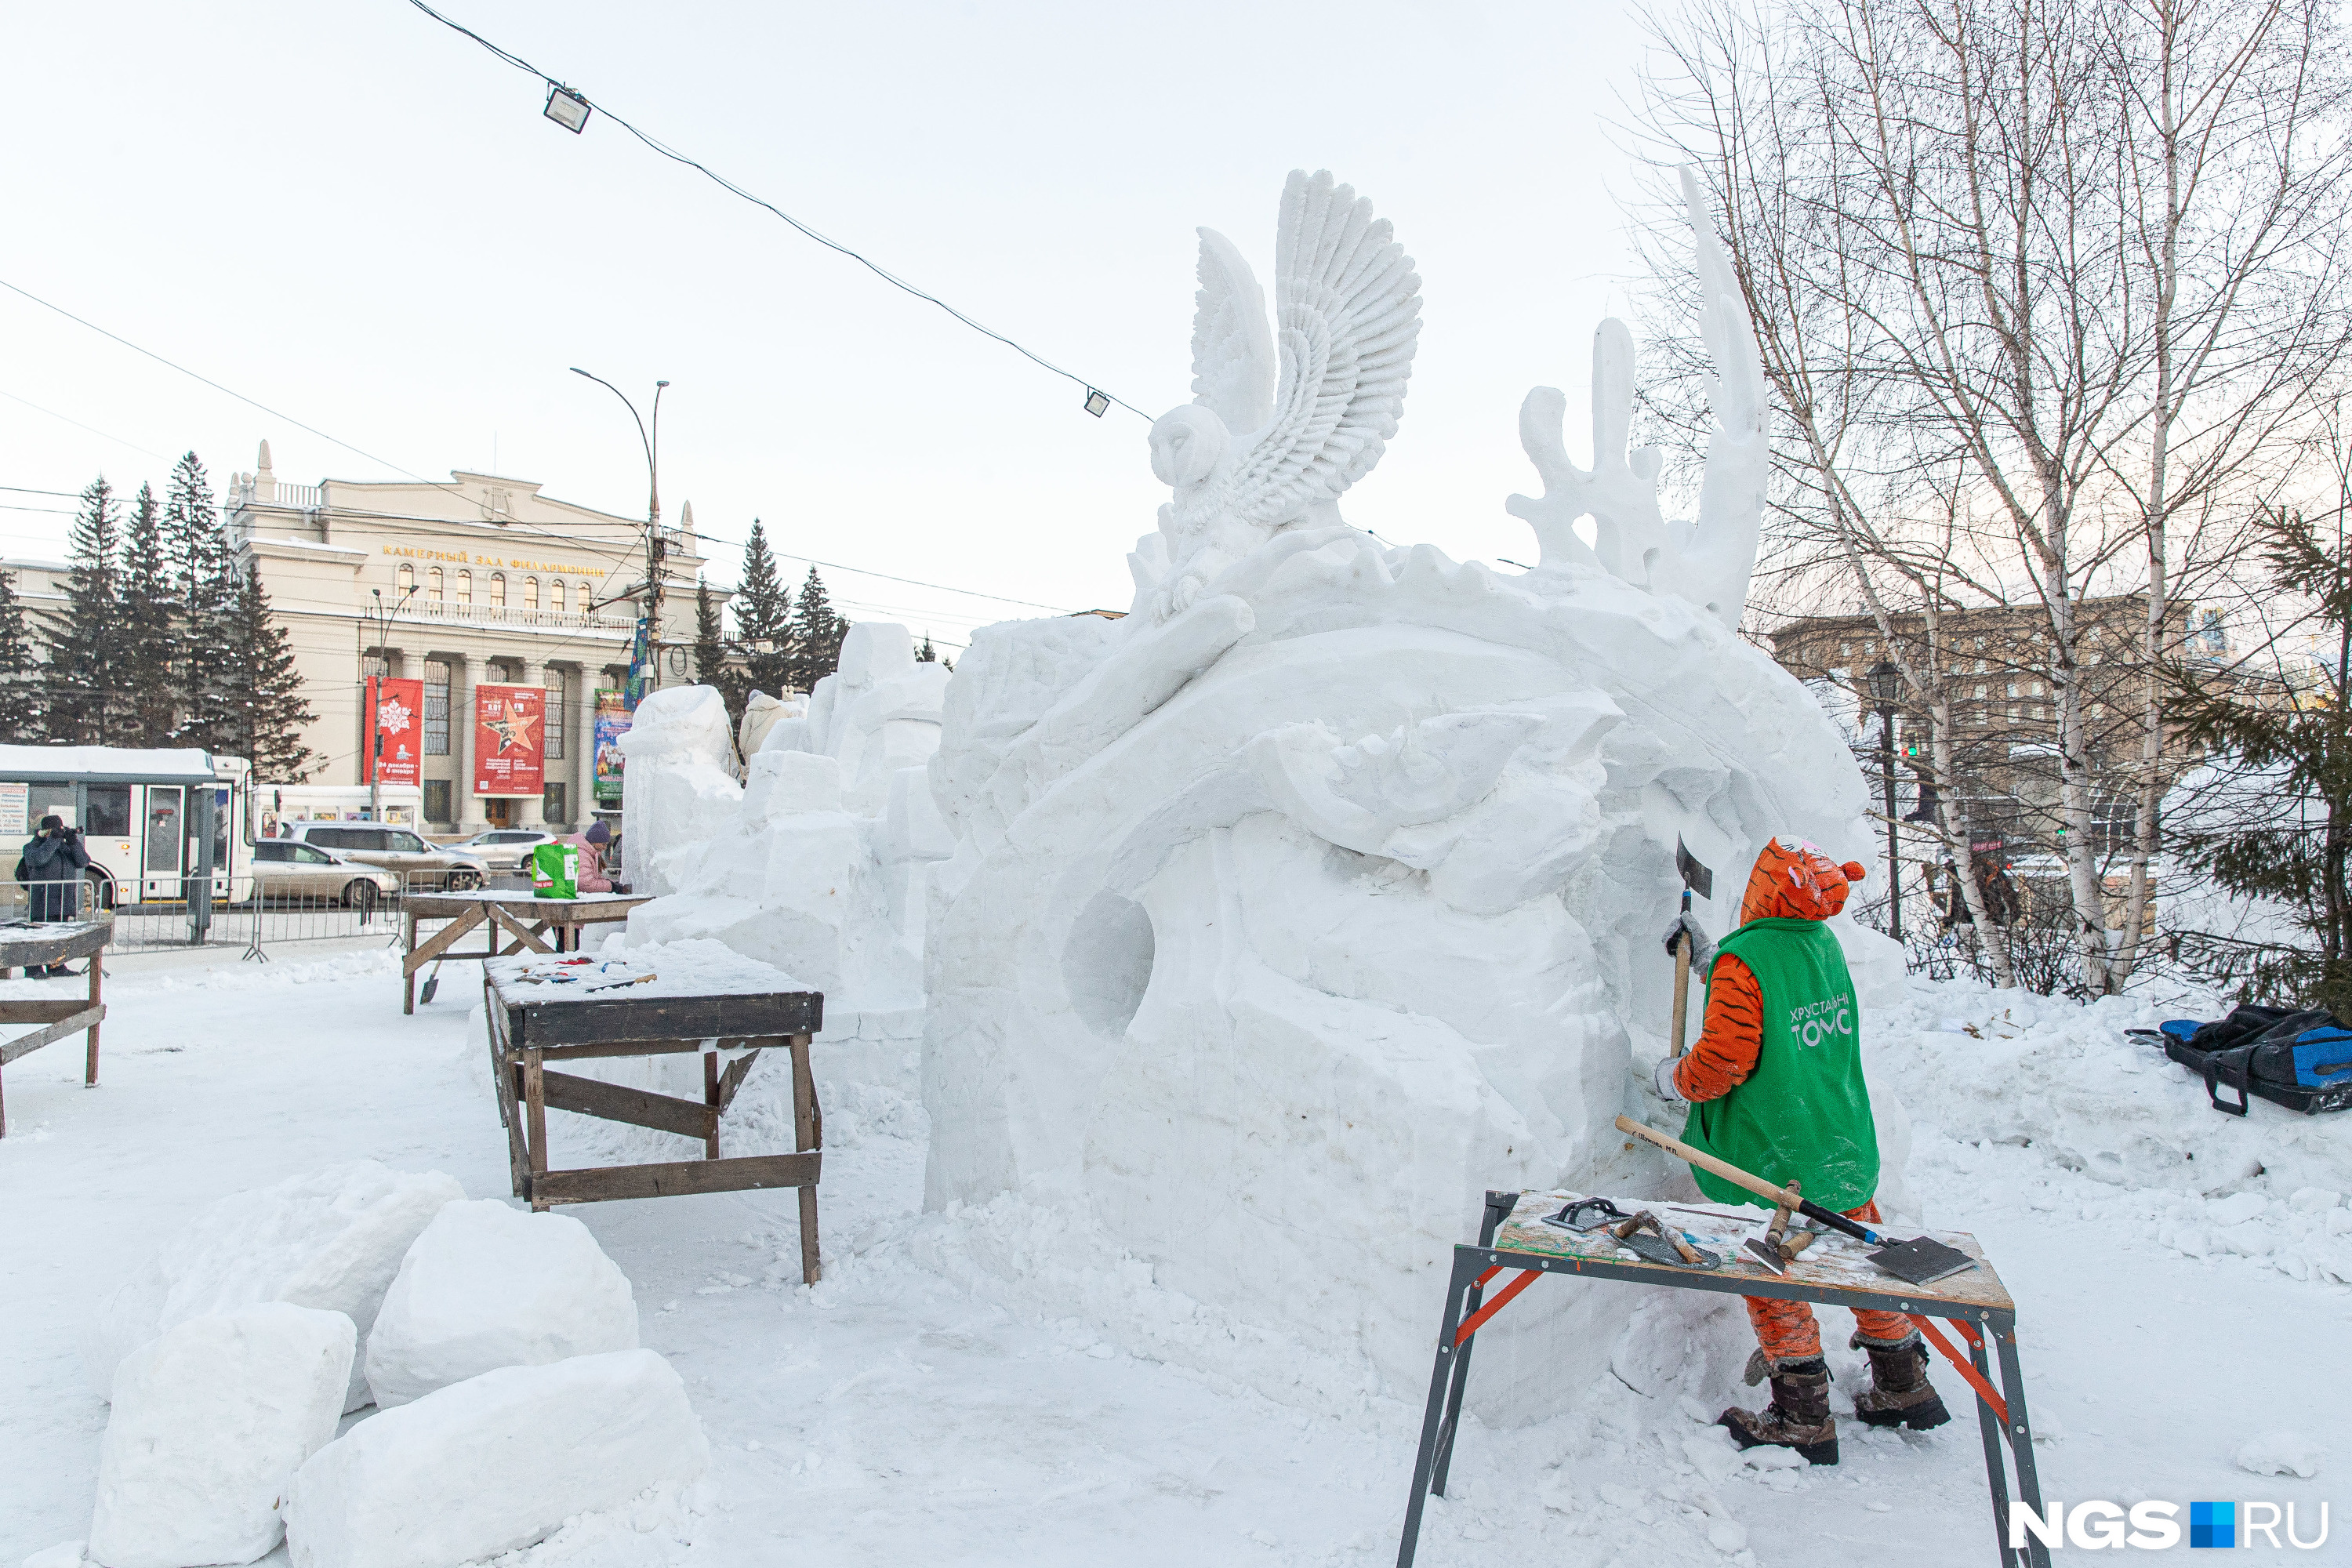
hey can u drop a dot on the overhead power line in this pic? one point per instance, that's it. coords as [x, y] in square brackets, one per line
[508, 57]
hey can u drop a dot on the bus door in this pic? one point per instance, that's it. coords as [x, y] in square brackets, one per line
[166, 843]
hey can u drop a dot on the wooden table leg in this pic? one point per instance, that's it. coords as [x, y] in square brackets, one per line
[97, 976]
[805, 1138]
[407, 974]
[534, 1089]
[710, 1099]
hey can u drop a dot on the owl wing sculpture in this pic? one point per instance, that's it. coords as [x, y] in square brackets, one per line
[1347, 319]
[1233, 362]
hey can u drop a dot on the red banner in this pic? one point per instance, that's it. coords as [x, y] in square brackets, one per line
[396, 709]
[509, 740]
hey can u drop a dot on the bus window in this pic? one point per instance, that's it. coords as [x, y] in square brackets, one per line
[48, 800]
[110, 810]
[220, 829]
[163, 830]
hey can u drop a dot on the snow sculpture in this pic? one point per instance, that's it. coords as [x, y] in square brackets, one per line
[681, 784]
[818, 868]
[1322, 893]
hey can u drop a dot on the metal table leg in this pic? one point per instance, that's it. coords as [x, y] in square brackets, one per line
[2020, 1437]
[1466, 1270]
[1996, 1472]
[1499, 1209]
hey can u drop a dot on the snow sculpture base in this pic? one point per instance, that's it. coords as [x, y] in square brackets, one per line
[1278, 934]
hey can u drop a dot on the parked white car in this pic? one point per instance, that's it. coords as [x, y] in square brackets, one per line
[287, 869]
[506, 849]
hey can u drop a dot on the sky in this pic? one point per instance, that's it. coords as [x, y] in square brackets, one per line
[360, 219]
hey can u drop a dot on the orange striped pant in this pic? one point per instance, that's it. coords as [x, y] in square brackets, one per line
[1786, 1330]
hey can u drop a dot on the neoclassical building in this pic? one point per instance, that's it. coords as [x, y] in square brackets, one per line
[482, 579]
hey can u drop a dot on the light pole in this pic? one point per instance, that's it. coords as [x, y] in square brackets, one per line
[382, 616]
[1886, 693]
[656, 549]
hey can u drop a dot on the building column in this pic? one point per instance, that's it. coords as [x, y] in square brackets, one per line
[531, 810]
[466, 805]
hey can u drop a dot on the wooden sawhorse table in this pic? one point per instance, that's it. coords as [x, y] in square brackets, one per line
[501, 912]
[533, 1023]
[25, 945]
[1831, 1273]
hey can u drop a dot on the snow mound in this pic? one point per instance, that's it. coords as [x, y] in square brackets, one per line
[2278, 1454]
[211, 1419]
[682, 788]
[495, 1463]
[332, 1239]
[487, 1286]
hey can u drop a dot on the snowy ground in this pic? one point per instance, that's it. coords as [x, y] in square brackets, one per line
[961, 1390]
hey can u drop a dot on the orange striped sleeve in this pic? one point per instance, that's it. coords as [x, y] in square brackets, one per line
[1730, 1037]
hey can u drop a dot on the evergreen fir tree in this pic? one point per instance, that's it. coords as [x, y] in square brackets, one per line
[205, 583]
[262, 706]
[19, 706]
[151, 651]
[82, 700]
[711, 651]
[816, 634]
[927, 654]
[763, 614]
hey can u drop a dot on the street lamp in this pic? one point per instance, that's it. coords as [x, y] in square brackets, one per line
[383, 615]
[1885, 683]
[656, 547]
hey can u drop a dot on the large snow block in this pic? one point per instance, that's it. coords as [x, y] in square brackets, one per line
[211, 1420]
[494, 1463]
[333, 1239]
[487, 1286]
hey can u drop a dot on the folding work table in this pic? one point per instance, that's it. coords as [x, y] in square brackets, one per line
[500, 912]
[1834, 1272]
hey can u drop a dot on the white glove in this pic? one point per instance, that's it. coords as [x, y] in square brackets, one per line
[1662, 1079]
[1702, 951]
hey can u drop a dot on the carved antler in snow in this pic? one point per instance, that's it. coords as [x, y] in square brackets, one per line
[1708, 561]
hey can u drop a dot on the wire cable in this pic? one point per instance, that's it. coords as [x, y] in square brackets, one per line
[878, 271]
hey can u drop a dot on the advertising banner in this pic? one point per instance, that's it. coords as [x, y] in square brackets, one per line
[395, 740]
[509, 735]
[612, 723]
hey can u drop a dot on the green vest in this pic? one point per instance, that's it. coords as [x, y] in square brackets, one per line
[1804, 1113]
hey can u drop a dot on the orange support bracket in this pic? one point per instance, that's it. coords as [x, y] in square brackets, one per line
[1961, 1363]
[1477, 1319]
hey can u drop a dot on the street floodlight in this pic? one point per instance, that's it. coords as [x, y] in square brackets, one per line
[567, 108]
[1098, 403]
[1886, 687]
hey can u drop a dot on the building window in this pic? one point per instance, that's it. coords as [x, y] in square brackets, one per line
[559, 710]
[555, 596]
[405, 579]
[531, 593]
[375, 662]
[433, 587]
[465, 590]
[436, 713]
[552, 805]
[498, 590]
[436, 801]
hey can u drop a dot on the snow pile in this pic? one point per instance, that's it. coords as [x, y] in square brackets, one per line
[332, 1240]
[211, 1420]
[487, 1286]
[682, 790]
[495, 1463]
[1322, 893]
[820, 870]
[2278, 1454]
[1981, 1069]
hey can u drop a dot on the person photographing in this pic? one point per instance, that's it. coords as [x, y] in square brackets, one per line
[1775, 1085]
[52, 867]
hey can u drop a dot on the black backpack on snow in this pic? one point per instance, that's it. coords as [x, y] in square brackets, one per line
[2298, 1059]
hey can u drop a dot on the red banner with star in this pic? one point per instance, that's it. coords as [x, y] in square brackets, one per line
[509, 740]
[396, 710]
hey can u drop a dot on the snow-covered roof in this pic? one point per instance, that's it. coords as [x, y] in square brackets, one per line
[118, 764]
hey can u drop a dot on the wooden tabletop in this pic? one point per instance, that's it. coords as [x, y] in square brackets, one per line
[24, 943]
[587, 909]
[1833, 1264]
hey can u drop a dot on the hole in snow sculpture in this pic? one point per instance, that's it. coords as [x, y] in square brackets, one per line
[1107, 962]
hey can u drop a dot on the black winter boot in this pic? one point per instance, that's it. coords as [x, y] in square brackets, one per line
[1798, 1416]
[1900, 1394]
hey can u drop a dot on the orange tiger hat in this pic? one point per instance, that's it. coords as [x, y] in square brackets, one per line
[1799, 883]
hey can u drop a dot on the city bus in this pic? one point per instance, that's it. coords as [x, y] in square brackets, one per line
[151, 821]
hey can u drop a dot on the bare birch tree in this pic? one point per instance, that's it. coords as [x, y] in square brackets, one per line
[2051, 294]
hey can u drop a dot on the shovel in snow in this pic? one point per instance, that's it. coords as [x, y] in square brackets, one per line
[1917, 1261]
